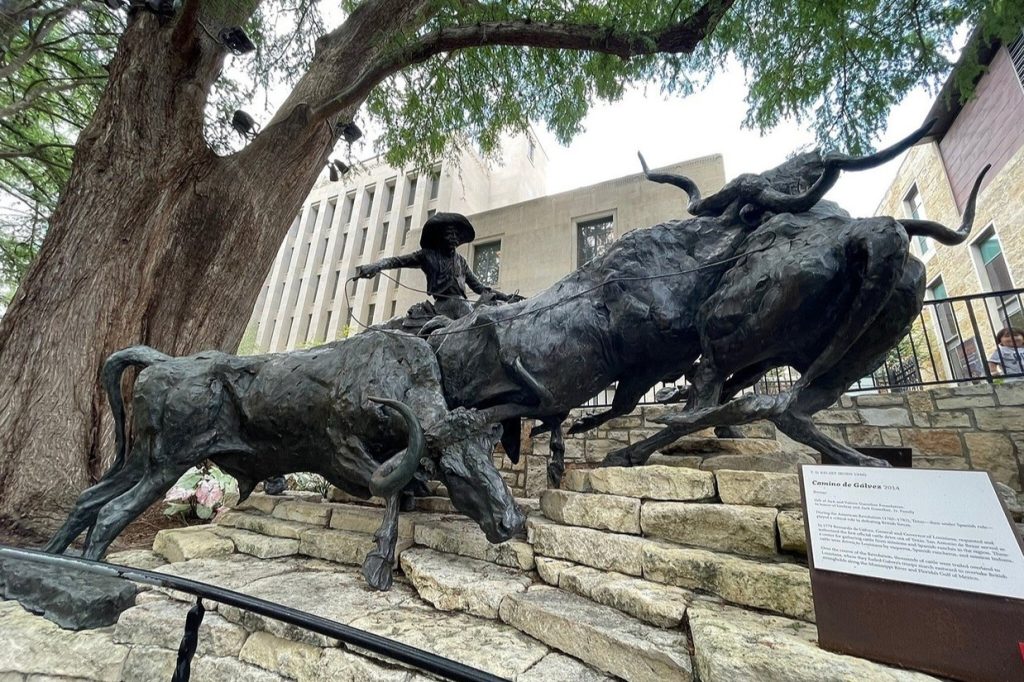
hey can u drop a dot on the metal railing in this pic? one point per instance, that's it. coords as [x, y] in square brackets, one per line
[952, 341]
[394, 650]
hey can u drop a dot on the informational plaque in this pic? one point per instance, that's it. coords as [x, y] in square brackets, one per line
[919, 568]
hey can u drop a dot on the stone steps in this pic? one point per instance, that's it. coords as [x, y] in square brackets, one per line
[463, 537]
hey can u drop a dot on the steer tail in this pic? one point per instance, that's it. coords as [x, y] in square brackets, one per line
[113, 368]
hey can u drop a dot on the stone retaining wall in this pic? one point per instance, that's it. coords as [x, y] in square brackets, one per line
[971, 426]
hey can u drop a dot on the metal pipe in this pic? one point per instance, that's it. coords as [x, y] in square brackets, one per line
[418, 658]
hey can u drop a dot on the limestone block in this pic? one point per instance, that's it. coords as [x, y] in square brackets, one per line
[654, 482]
[940, 442]
[778, 587]
[182, 544]
[637, 435]
[994, 453]
[557, 666]
[630, 421]
[885, 416]
[1010, 393]
[970, 401]
[261, 502]
[368, 519]
[598, 448]
[341, 546]
[338, 665]
[781, 462]
[1013, 501]
[891, 437]
[693, 445]
[454, 583]
[536, 476]
[264, 525]
[837, 417]
[944, 420]
[862, 435]
[740, 529]
[485, 644]
[577, 480]
[550, 569]
[759, 488]
[261, 546]
[161, 623]
[296, 660]
[655, 603]
[881, 400]
[928, 462]
[599, 635]
[792, 537]
[688, 461]
[999, 418]
[436, 505]
[583, 580]
[33, 645]
[313, 513]
[218, 669]
[232, 572]
[136, 558]
[608, 512]
[150, 663]
[466, 539]
[608, 551]
[731, 644]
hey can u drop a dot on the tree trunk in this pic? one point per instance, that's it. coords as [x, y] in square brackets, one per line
[155, 241]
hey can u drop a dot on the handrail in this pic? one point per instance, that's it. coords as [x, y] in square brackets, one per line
[422, 660]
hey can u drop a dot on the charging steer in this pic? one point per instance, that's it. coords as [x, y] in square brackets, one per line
[361, 412]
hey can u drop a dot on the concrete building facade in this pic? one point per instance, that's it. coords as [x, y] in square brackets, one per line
[934, 183]
[525, 241]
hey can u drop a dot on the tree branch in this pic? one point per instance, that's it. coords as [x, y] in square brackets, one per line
[679, 38]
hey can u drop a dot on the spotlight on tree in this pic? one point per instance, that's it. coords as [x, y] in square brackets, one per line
[337, 169]
[235, 39]
[244, 124]
[350, 131]
[162, 8]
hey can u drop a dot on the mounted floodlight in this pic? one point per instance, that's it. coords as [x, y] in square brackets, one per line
[162, 8]
[350, 131]
[244, 124]
[337, 169]
[114, 5]
[235, 39]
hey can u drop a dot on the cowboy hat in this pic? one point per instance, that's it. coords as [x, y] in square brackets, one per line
[434, 230]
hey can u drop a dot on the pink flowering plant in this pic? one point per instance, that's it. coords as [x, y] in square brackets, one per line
[199, 493]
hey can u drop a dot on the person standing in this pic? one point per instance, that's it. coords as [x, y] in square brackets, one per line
[1008, 358]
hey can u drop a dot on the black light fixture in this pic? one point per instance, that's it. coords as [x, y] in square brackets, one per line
[336, 169]
[350, 131]
[162, 8]
[244, 124]
[235, 39]
[114, 5]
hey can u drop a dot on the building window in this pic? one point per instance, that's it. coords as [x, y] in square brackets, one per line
[314, 212]
[376, 283]
[369, 314]
[406, 229]
[487, 262]
[362, 241]
[435, 184]
[369, 201]
[1016, 50]
[411, 196]
[316, 287]
[995, 276]
[593, 237]
[327, 324]
[334, 285]
[949, 330]
[323, 252]
[913, 206]
[431, 212]
[309, 327]
[344, 242]
[346, 210]
[389, 195]
[384, 236]
[394, 305]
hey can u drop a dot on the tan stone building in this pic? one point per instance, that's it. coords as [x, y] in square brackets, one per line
[934, 183]
[525, 241]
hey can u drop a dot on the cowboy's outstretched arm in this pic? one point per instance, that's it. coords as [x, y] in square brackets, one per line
[408, 260]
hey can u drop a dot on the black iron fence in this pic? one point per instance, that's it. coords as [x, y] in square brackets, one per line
[394, 650]
[952, 341]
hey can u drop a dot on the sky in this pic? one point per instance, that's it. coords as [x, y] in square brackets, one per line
[668, 131]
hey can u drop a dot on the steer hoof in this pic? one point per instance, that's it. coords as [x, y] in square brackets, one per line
[555, 471]
[377, 571]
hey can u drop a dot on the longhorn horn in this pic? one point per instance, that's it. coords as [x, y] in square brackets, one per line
[780, 202]
[941, 233]
[681, 181]
[394, 474]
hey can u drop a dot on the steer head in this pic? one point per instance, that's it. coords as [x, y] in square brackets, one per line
[458, 448]
[791, 187]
